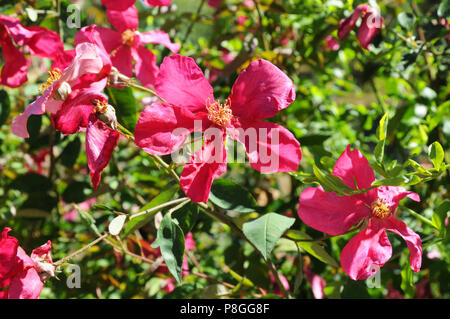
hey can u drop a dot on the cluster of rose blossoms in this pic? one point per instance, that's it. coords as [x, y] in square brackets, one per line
[73, 95]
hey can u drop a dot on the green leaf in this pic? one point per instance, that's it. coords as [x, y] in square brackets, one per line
[398, 181]
[125, 105]
[265, 231]
[436, 154]
[161, 198]
[71, 152]
[312, 247]
[439, 216]
[231, 196]
[32, 182]
[330, 182]
[406, 20]
[170, 240]
[5, 106]
[444, 9]
[76, 192]
[381, 134]
[116, 224]
[186, 216]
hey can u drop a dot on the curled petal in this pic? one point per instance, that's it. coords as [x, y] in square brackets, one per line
[100, 143]
[162, 128]
[369, 28]
[44, 43]
[412, 241]
[146, 68]
[181, 82]
[346, 25]
[261, 91]
[18, 32]
[353, 168]
[392, 195]
[14, 71]
[124, 19]
[159, 37]
[205, 165]
[19, 124]
[330, 213]
[269, 146]
[366, 252]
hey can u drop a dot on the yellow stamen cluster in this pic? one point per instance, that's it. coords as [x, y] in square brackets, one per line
[100, 106]
[53, 76]
[220, 114]
[380, 209]
[128, 37]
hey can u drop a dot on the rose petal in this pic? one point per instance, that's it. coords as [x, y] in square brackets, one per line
[123, 19]
[261, 91]
[100, 143]
[205, 165]
[270, 147]
[182, 83]
[366, 252]
[330, 213]
[123, 61]
[159, 37]
[14, 71]
[146, 68]
[25, 285]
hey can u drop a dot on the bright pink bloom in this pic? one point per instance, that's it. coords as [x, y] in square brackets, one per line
[370, 24]
[335, 215]
[87, 60]
[260, 92]
[317, 283]
[121, 5]
[127, 44]
[40, 42]
[20, 274]
[331, 43]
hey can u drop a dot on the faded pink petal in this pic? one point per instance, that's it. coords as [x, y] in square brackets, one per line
[205, 165]
[159, 37]
[261, 91]
[317, 283]
[330, 213]
[100, 143]
[19, 124]
[353, 168]
[145, 66]
[124, 19]
[413, 241]
[25, 285]
[331, 43]
[117, 5]
[162, 128]
[270, 147]
[366, 251]
[103, 37]
[181, 82]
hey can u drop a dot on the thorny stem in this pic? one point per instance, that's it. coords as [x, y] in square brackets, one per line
[79, 251]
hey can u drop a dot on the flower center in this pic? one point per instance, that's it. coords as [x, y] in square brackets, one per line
[219, 114]
[380, 209]
[128, 37]
[53, 76]
[100, 106]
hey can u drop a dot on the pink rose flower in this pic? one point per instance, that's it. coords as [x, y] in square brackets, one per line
[370, 24]
[121, 5]
[260, 92]
[335, 215]
[127, 44]
[20, 275]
